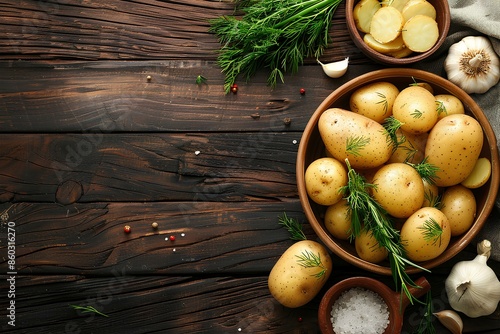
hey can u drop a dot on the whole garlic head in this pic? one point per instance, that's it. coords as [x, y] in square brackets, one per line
[473, 287]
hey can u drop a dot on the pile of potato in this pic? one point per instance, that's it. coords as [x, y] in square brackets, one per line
[435, 128]
[398, 27]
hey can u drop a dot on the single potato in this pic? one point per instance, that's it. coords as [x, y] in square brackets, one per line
[415, 107]
[374, 100]
[300, 273]
[399, 189]
[338, 220]
[459, 206]
[453, 146]
[425, 234]
[348, 135]
[368, 248]
[411, 150]
[323, 179]
[448, 104]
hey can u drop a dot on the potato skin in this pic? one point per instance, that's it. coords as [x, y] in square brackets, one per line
[291, 284]
[413, 239]
[337, 126]
[399, 189]
[368, 248]
[323, 179]
[338, 220]
[374, 100]
[454, 145]
[459, 206]
[415, 107]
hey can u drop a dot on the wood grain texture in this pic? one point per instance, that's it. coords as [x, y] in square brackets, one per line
[117, 97]
[142, 29]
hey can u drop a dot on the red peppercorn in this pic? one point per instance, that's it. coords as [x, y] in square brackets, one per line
[234, 88]
[300, 319]
[302, 91]
[172, 238]
[127, 229]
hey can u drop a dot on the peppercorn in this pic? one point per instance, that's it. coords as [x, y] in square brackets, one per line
[302, 91]
[127, 229]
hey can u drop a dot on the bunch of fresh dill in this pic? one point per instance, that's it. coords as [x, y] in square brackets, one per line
[273, 34]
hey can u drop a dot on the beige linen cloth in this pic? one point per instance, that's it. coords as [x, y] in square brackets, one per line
[475, 18]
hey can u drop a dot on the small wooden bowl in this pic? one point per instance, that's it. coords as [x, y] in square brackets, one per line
[442, 18]
[396, 302]
[312, 147]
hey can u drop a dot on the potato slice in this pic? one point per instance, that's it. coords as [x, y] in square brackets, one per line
[398, 4]
[404, 52]
[418, 7]
[386, 24]
[389, 47]
[363, 13]
[479, 175]
[420, 33]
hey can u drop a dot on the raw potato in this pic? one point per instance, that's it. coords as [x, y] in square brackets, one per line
[417, 245]
[415, 107]
[424, 85]
[368, 248]
[399, 189]
[418, 7]
[431, 197]
[479, 175]
[459, 206]
[454, 145]
[323, 179]
[420, 33]
[374, 100]
[448, 104]
[387, 48]
[363, 13]
[386, 24]
[338, 127]
[294, 285]
[338, 220]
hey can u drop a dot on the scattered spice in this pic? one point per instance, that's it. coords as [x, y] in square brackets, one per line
[154, 225]
[171, 238]
[183, 234]
[148, 78]
[127, 229]
[234, 88]
[302, 91]
[200, 79]
[255, 116]
[359, 310]
[294, 141]
[197, 152]
[287, 120]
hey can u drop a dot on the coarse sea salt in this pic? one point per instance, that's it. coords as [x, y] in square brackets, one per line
[359, 311]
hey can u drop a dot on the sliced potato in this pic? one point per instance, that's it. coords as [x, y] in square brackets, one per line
[363, 13]
[386, 24]
[386, 48]
[420, 33]
[398, 4]
[479, 175]
[418, 7]
[404, 52]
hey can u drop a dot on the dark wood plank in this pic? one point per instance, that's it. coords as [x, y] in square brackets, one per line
[117, 97]
[211, 238]
[99, 167]
[142, 29]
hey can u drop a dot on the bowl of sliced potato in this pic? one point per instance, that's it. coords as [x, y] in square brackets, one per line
[398, 32]
[415, 162]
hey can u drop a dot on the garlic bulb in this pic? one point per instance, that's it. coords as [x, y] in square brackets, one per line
[473, 65]
[473, 287]
[335, 69]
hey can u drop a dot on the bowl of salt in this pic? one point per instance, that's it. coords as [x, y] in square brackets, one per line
[365, 305]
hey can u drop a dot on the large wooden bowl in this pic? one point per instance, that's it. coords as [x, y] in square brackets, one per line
[442, 18]
[311, 147]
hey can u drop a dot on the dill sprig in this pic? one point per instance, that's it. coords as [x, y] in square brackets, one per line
[293, 226]
[354, 144]
[431, 231]
[426, 170]
[271, 34]
[383, 101]
[368, 212]
[308, 259]
[441, 108]
[425, 325]
[392, 125]
[88, 309]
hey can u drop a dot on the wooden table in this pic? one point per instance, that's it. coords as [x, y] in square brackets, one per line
[102, 125]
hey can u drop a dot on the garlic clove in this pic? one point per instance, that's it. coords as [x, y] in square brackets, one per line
[451, 320]
[335, 69]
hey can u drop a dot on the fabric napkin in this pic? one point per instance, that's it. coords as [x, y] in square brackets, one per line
[476, 18]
